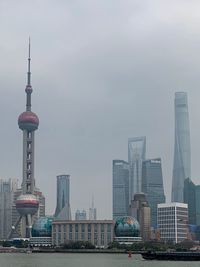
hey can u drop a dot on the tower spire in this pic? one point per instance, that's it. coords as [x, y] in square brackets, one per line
[29, 63]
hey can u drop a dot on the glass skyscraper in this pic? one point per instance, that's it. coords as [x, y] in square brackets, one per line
[182, 153]
[192, 198]
[152, 186]
[136, 155]
[120, 188]
[63, 211]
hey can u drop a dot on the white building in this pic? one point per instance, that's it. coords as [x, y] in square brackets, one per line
[173, 222]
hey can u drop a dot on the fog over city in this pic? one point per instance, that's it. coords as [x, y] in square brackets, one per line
[102, 71]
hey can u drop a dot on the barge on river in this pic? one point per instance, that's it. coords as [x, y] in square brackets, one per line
[171, 256]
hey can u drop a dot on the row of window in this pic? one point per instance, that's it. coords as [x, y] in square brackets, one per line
[83, 227]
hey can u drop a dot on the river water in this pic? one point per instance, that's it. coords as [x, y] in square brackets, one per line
[84, 260]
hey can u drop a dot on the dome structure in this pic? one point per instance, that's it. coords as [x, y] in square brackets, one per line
[126, 227]
[28, 121]
[27, 204]
[42, 227]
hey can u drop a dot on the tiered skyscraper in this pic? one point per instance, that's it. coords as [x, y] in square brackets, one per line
[182, 151]
[136, 155]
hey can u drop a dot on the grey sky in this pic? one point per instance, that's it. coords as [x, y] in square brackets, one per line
[102, 71]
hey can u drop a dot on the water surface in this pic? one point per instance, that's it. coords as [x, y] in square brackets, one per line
[84, 260]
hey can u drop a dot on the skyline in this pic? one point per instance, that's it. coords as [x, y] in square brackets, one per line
[95, 86]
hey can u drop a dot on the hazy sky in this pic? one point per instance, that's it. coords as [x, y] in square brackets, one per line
[102, 71]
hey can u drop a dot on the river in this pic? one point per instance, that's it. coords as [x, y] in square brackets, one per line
[84, 260]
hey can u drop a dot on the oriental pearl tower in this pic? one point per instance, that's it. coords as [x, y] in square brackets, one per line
[27, 203]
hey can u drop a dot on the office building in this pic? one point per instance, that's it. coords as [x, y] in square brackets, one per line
[7, 190]
[63, 211]
[192, 198]
[136, 155]
[173, 222]
[120, 188]
[98, 232]
[140, 210]
[80, 215]
[152, 186]
[182, 153]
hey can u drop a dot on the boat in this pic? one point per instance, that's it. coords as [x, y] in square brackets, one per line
[171, 256]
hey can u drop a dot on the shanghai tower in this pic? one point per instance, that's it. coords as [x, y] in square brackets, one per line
[182, 153]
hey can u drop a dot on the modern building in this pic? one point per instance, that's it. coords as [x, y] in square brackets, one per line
[127, 230]
[120, 188]
[192, 198]
[7, 190]
[98, 232]
[92, 211]
[27, 203]
[42, 232]
[173, 222]
[80, 215]
[136, 155]
[182, 151]
[63, 211]
[140, 210]
[152, 186]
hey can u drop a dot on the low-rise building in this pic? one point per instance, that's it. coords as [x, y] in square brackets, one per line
[98, 232]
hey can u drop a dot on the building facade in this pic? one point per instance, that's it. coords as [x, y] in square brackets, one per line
[192, 198]
[182, 150]
[98, 232]
[140, 210]
[7, 190]
[63, 211]
[152, 186]
[92, 211]
[173, 222]
[120, 188]
[136, 155]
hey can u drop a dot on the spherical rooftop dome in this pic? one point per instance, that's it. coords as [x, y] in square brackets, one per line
[127, 227]
[42, 227]
[28, 121]
[27, 204]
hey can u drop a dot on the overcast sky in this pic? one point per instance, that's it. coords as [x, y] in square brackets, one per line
[102, 71]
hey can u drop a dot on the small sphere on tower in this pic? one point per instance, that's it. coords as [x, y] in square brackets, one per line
[28, 121]
[29, 89]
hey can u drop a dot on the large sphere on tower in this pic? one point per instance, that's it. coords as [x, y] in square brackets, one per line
[28, 121]
[27, 204]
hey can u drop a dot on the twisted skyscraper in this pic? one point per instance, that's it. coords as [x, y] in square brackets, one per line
[182, 153]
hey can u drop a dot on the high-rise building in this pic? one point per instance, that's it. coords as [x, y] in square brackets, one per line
[140, 210]
[173, 222]
[80, 215]
[92, 211]
[27, 203]
[63, 211]
[152, 186]
[7, 190]
[136, 155]
[120, 188]
[182, 153]
[192, 198]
